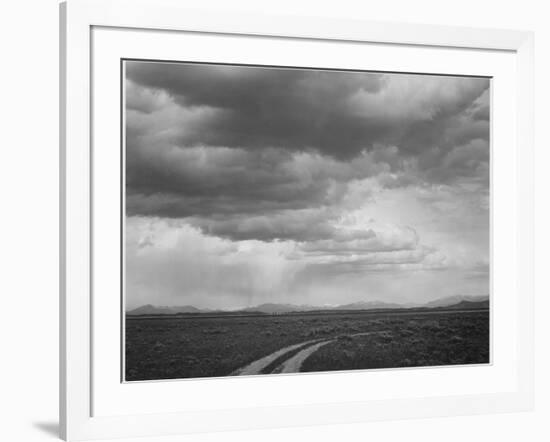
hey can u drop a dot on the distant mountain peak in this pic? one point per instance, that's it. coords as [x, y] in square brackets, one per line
[150, 309]
[455, 301]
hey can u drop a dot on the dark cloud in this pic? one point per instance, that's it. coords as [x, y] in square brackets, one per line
[270, 154]
[287, 108]
[298, 225]
[143, 99]
[336, 113]
[209, 181]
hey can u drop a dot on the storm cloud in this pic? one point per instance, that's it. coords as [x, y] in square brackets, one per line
[338, 114]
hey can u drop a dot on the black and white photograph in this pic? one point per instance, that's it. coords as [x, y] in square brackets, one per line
[289, 220]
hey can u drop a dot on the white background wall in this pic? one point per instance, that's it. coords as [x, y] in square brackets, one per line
[29, 204]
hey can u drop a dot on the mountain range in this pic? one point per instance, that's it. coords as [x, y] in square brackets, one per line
[454, 302]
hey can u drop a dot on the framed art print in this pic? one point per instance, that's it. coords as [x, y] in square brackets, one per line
[322, 222]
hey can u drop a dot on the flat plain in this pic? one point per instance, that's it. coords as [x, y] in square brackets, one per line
[197, 346]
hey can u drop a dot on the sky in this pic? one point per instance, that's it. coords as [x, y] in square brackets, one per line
[250, 185]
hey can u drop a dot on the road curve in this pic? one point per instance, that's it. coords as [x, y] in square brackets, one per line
[257, 366]
[294, 364]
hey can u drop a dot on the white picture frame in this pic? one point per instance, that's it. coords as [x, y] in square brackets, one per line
[80, 379]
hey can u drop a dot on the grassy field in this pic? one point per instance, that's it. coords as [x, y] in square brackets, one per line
[195, 346]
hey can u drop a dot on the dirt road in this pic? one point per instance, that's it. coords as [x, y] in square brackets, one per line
[257, 366]
[294, 362]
